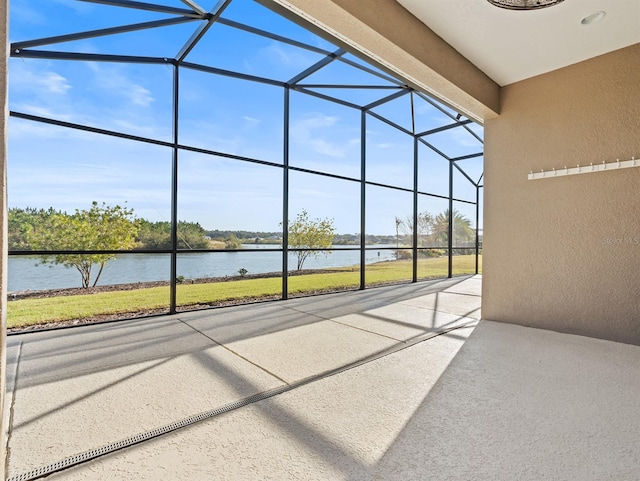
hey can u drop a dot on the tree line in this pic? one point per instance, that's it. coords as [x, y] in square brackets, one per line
[275, 237]
[111, 228]
[101, 227]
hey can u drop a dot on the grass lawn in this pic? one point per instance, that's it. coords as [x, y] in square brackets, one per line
[64, 308]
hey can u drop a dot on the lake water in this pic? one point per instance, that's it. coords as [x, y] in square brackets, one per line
[25, 273]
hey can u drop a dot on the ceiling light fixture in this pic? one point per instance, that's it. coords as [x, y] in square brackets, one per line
[524, 4]
[593, 18]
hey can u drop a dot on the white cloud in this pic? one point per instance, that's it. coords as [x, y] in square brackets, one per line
[55, 83]
[308, 131]
[23, 13]
[277, 60]
[41, 111]
[21, 130]
[323, 147]
[250, 122]
[314, 121]
[209, 135]
[310, 193]
[460, 136]
[27, 77]
[113, 81]
[140, 95]
[136, 128]
[31, 130]
[105, 98]
[283, 55]
[78, 7]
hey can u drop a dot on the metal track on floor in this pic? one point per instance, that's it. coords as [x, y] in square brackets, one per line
[92, 454]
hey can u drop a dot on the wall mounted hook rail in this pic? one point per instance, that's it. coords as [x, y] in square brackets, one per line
[583, 169]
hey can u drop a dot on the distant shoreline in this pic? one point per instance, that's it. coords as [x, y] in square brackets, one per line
[79, 291]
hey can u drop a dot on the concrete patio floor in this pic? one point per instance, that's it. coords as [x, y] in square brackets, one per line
[495, 401]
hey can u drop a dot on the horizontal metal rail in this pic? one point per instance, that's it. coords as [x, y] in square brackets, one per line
[89, 57]
[443, 128]
[40, 253]
[111, 133]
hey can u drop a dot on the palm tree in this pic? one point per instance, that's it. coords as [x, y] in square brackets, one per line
[463, 233]
[399, 222]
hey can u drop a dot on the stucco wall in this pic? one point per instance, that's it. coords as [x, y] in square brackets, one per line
[3, 224]
[564, 253]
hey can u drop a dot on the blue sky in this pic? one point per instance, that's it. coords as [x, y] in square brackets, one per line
[67, 169]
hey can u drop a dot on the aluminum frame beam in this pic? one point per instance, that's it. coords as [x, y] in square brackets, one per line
[316, 66]
[134, 27]
[194, 6]
[272, 36]
[152, 7]
[89, 57]
[202, 29]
